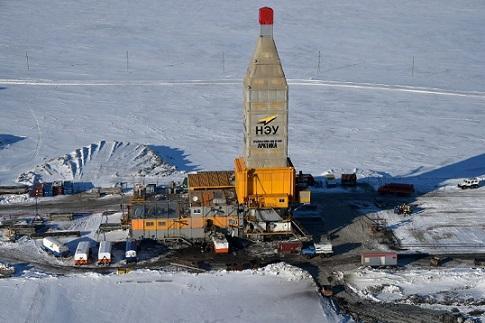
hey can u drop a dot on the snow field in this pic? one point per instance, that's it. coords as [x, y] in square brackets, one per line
[155, 296]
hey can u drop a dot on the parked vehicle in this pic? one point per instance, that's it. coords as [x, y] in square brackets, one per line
[348, 179]
[436, 261]
[378, 259]
[480, 261]
[469, 183]
[104, 253]
[290, 247]
[55, 247]
[82, 254]
[403, 209]
[6, 270]
[396, 189]
[322, 249]
[131, 249]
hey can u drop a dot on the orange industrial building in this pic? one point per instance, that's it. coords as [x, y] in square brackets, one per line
[254, 199]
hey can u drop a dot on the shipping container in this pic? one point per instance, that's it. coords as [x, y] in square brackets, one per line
[82, 254]
[19, 189]
[57, 188]
[131, 250]
[348, 180]
[104, 253]
[378, 259]
[396, 188]
[286, 247]
[55, 247]
[68, 188]
[47, 189]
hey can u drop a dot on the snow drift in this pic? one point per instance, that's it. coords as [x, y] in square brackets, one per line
[101, 162]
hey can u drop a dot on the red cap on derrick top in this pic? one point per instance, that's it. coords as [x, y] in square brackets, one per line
[265, 16]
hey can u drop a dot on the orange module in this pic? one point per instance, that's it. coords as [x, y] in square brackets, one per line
[264, 187]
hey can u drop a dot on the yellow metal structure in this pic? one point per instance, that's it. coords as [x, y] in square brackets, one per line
[304, 196]
[264, 187]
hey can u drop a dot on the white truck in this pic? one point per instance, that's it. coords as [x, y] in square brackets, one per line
[323, 249]
[55, 247]
[469, 183]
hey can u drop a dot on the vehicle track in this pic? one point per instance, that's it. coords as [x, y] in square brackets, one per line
[39, 134]
[298, 82]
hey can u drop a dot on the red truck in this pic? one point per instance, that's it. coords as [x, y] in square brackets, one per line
[286, 247]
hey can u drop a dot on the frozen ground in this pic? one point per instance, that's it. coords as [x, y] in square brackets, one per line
[277, 293]
[463, 288]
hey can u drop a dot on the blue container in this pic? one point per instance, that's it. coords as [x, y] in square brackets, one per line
[68, 188]
[47, 189]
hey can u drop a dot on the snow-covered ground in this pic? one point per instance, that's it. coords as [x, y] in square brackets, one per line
[399, 94]
[446, 221]
[446, 288]
[103, 163]
[370, 111]
[277, 293]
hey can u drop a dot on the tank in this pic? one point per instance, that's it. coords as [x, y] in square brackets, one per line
[104, 253]
[81, 256]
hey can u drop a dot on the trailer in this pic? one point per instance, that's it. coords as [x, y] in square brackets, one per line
[55, 247]
[378, 259]
[83, 252]
[104, 253]
[131, 248]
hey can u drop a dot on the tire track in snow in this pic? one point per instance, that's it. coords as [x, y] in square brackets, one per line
[39, 134]
[298, 82]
